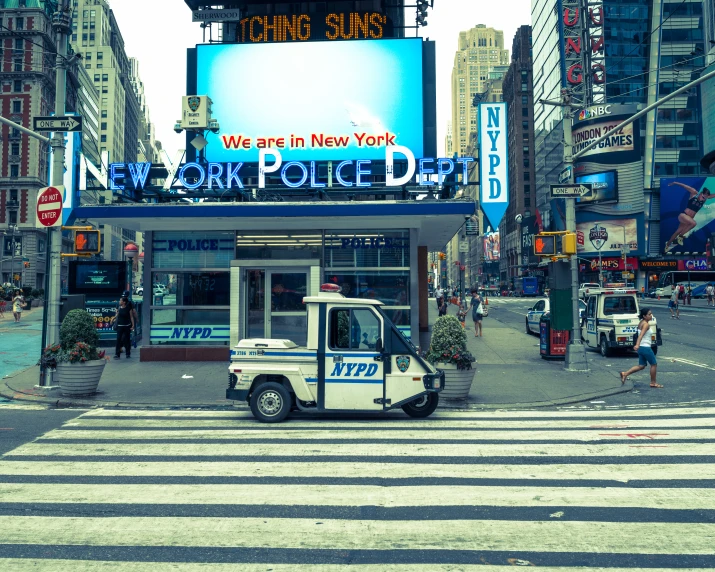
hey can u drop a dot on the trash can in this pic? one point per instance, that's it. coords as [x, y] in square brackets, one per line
[552, 343]
[158, 300]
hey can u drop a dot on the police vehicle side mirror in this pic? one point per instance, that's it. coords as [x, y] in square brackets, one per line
[378, 345]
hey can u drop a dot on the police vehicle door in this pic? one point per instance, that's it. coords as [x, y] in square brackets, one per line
[354, 375]
[591, 336]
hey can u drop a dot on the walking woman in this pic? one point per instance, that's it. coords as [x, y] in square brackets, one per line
[477, 313]
[124, 322]
[687, 217]
[18, 303]
[644, 349]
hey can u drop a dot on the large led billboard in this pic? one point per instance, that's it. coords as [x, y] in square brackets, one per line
[313, 101]
[687, 213]
[604, 187]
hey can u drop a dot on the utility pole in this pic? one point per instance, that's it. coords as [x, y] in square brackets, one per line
[61, 22]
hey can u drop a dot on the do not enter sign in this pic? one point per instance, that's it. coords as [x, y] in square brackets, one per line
[49, 206]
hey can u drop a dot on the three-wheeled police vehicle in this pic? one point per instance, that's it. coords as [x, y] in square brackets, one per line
[355, 359]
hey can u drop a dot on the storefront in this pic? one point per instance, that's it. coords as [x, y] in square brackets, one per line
[248, 275]
[615, 270]
[653, 268]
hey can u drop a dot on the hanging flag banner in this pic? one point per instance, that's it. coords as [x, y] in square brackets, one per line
[493, 161]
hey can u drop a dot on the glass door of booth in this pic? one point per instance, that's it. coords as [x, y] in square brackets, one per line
[274, 304]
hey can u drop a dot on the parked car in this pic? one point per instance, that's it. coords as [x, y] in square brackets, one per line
[533, 316]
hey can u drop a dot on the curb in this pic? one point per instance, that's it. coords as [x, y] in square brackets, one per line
[67, 403]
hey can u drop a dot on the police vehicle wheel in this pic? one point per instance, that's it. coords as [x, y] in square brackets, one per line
[605, 350]
[528, 329]
[271, 403]
[423, 406]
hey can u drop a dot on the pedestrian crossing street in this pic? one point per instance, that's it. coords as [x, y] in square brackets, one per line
[214, 491]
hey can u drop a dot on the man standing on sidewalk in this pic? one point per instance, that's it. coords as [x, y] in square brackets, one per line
[709, 292]
[439, 294]
[673, 304]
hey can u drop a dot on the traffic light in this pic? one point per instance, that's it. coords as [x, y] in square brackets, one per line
[442, 256]
[568, 243]
[26, 264]
[87, 242]
[545, 245]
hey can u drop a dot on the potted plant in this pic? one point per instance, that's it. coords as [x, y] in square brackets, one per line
[77, 363]
[448, 352]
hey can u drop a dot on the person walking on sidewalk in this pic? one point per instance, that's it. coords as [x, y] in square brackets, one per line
[18, 303]
[644, 349]
[477, 313]
[709, 292]
[689, 295]
[673, 304]
[124, 323]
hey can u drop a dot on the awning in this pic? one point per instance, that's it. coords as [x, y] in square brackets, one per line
[437, 220]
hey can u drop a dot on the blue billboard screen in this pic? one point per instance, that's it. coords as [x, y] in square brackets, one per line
[313, 101]
[604, 187]
[687, 213]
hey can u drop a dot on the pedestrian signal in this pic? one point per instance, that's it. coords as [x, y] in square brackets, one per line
[442, 256]
[86, 242]
[545, 245]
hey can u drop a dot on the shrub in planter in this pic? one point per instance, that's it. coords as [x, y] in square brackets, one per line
[35, 293]
[448, 352]
[77, 362]
[449, 343]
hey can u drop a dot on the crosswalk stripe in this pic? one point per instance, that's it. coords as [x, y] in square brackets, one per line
[386, 450]
[307, 534]
[382, 425]
[356, 495]
[440, 414]
[239, 434]
[557, 472]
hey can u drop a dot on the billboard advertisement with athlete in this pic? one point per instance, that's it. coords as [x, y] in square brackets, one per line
[687, 213]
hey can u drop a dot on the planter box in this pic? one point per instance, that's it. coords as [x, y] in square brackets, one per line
[78, 379]
[457, 382]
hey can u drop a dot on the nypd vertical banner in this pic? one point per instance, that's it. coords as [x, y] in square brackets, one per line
[493, 162]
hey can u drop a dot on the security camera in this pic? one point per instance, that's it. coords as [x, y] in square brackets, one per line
[177, 127]
[214, 126]
[518, 218]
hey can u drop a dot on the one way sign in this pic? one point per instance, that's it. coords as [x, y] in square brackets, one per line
[570, 191]
[67, 123]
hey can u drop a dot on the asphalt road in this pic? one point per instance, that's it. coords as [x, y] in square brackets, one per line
[686, 360]
[216, 490]
[23, 423]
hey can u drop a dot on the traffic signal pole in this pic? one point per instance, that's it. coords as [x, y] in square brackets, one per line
[61, 22]
[575, 359]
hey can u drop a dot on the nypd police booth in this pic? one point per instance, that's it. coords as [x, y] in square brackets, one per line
[343, 187]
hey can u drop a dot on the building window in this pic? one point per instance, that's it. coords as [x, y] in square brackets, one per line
[525, 112]
[88, 56]
[14, 170]
[527, 176]
[104, 113]
[105, 77]
[105, 89]
[527, 190]
[525, 125]
[19, 44]
[525, 100]
[17, 65]
[99, 66]
[17, 106]
[74, 37]
[100, 55]
[13, 217]
[103, 126]
[103, 139]
[96, 77]
[527, 202]
[19, 23]
[526, 163]
[526, 149]
[88, 66]
[15, 149]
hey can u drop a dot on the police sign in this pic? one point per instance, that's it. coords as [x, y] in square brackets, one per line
[493, 168]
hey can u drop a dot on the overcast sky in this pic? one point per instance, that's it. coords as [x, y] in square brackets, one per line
[157, 33]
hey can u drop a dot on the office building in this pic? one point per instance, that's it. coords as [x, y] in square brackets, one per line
[518, 94]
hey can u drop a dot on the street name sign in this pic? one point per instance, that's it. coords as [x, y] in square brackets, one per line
[66, 123]
[215, 15]
[570, 191]
[565, 175]
[49, 206]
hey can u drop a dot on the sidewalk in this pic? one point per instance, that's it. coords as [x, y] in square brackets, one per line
[20, 343]
[509, 373]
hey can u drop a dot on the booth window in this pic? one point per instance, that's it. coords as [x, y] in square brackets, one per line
[372, 264]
